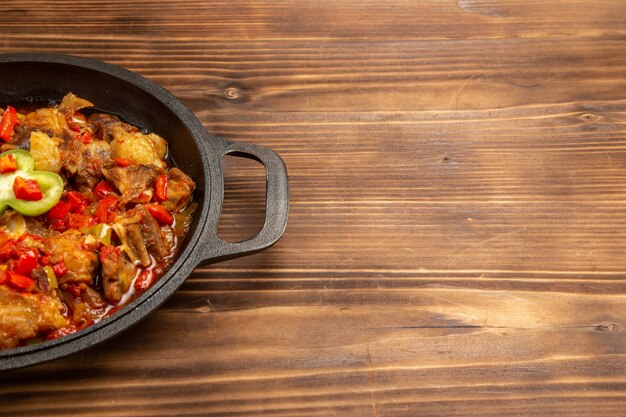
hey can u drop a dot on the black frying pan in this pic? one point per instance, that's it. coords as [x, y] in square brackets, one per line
[45, 77]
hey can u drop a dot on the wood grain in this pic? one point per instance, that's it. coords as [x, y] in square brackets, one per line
[457, 233]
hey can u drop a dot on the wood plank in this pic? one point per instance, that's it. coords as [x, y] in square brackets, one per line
[359, 76]
[423, 360]
[367, 20]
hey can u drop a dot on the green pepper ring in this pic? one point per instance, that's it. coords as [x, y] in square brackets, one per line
[51, 185]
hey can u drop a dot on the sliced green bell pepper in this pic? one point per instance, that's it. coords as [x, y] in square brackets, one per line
[52, 278]
[101, 231]
[51, 185]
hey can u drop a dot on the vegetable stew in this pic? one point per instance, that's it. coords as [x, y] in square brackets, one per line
[92, 214]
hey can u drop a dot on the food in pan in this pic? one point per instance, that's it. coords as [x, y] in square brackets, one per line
[92, 215]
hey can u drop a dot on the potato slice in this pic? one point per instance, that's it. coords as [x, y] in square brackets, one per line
[45, 151]
[139, 148]
[13, 224]
[47, 119]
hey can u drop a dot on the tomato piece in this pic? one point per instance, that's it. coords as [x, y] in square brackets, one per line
[160, 188]
[26, 261]
[26, 189]
[20, 281]
[59, 211]
[103, 189]
[105, 211]
[8, 164]
[7, 123]
[145, 280]
[8, 249]
[59, 268]
[44, 260]
[123, 162]
[160, 214]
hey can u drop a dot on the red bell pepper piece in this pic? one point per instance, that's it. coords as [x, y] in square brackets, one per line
[123, 162]
[20, 281]
[77, 201]
[145, 280]
[8, 249]
[75, 289]
[8, 164]
[26, 189]
[59, 211]
[59, 225]
[78, 125]
[29, 236]
[85, 137]
[26, 261]
[160, 214]
[44, 260]
[59, 268]
[64, 331]
[103, 189]
[160, 188]
[75, 121]
[105, 211]
[144, 197]
[109, 252]
[80, 221]
[7, 123]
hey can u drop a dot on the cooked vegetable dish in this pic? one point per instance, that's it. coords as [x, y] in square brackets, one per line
[92, 215]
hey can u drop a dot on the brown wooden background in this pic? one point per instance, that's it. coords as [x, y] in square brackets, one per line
[456, 243]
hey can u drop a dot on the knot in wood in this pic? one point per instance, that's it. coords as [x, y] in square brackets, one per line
[611, 327]
[232, 93]
[589, 117]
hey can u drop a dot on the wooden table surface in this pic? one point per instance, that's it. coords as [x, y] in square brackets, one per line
[456, 242]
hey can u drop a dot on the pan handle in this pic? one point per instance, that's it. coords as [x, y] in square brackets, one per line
[213, 248]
